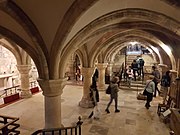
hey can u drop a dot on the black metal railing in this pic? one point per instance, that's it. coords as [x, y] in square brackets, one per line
[33, 84]
[9, 125]
[15, 89]
[73, 130]
[10, 91]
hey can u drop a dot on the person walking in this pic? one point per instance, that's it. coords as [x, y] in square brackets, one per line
[165, 84]
[149, 89]
[134, 66]
[140, 62]
[94, 95]
[114, 94]
[129, 76]
[156, 74]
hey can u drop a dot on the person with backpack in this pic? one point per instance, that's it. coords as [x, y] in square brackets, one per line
[134, 66]
[140, 62]
[114, 94]
[165, 84]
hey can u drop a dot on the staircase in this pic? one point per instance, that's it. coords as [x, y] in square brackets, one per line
[135, 86]
[130, 59]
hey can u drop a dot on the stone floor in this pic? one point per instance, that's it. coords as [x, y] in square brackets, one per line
[134, 118]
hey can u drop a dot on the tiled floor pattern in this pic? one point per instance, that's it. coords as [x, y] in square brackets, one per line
[134, 118]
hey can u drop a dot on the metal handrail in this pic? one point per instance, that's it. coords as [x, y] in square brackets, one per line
[10, 91]
[77, 129]
[9, 127]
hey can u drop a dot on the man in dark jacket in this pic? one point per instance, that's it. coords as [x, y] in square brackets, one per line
[134, 66]
[165, 84]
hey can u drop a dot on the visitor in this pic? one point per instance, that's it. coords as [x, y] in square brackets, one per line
[157, 78]
[129, 76]
[134, 66]
[140, 62]
[114, 94]
[165, 84]
[149, 89]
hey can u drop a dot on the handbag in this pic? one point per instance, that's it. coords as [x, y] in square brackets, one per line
[145, 91]
[108, 90]
[141, 97]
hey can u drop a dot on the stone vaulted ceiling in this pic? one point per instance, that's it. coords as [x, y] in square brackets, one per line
[50, 30]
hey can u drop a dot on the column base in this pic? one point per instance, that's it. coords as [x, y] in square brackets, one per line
[86, 103]
[26, 94]
[102, 88]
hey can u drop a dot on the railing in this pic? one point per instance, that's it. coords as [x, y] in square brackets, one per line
[74, 130]
[10, 91]
[33, 84]
[9, 125]
[16, 89]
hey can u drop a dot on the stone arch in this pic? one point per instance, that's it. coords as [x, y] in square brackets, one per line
[110, 56]
[38, 58]
[116, 16]
[83, 54]
[14, 50]
[140, 34]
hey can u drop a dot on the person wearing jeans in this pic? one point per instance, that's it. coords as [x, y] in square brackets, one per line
[150, 88]
[165, 84]
[156, 80]
[114, 94]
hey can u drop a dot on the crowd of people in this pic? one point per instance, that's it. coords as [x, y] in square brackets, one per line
[133, 71]
[150, 90]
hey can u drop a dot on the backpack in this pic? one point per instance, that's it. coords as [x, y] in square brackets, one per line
[141, 62]
[164, 81]
[108, 90]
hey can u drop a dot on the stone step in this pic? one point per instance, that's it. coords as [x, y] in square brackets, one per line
[134, 82]
[133, 85]
[132, 88]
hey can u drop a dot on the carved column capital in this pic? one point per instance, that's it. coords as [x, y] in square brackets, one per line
[24, 69]
[52, 88]
[87, 71]
[102, 65]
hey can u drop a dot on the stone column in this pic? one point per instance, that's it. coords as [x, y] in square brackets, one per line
[70, 68]
[109, 69]
[52, 90]
[87, 74]
[24, 77]
[101, 79]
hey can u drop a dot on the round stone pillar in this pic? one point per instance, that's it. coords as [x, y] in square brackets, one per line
[109, 70]
[87, 74]
[24, 77]
[52, 90]
[101, 79]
